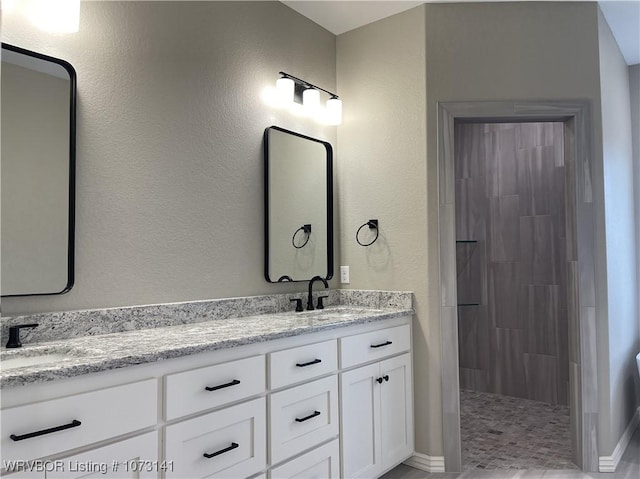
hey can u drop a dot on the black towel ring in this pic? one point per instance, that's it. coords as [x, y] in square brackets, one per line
[305, 229]
[372, 224]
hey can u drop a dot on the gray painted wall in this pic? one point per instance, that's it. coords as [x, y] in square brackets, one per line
[170, 124]
[505, 51]
[381, 174]
[171, 121]
[634, 94]
[622, 287]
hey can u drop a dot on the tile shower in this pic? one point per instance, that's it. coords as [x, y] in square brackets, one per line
[512, 313]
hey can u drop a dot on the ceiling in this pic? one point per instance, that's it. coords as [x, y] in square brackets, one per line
[338, 17]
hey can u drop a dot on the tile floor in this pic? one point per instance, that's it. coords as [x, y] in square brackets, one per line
[628, 468]
[504, 432]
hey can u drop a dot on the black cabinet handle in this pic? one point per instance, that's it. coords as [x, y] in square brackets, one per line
[310, 363]
[310, 416]
[386, 377]
[234, 445]
[379, 380]
[222, 386]
[381, 344]
[74, 423]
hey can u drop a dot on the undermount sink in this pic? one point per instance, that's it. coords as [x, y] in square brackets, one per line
[21, 358]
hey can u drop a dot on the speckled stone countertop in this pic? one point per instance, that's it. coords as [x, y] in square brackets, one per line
[87, 354]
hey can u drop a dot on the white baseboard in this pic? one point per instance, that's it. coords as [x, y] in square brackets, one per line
[610, 463]
[426, 463]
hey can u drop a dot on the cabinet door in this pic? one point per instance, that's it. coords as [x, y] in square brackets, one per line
[133, 458]
[361, 453]
[396, 410]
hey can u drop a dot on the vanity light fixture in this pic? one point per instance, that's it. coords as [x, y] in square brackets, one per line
[293, 91]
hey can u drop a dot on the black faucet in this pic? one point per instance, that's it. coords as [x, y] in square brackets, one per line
[14, 335]
[311, 281]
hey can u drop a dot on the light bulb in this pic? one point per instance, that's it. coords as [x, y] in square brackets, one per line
[311, 101]
[285, 88]
[334, 111]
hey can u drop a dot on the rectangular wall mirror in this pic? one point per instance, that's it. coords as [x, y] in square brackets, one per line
[38, 173]
[298, 206]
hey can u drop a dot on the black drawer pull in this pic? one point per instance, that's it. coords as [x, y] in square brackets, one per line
[386, 377]
[379, 380]
[234, 445]
[73, 423]
[303, 365]
[381, 344]
[310, 416]
[222, 386]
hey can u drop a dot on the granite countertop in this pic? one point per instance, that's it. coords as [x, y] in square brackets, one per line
[83, 355]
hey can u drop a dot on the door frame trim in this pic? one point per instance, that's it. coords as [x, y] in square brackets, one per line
[581, 280]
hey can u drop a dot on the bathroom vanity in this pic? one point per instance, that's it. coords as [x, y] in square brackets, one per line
[314, 394]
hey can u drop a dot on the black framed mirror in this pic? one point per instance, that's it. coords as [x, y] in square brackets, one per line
[298, 185]
[38, 138]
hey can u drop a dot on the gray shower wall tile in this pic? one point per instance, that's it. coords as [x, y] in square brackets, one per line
[501, 172]
[505, 296]
[536, 167]
[473, 337]
[520, 276]
[542, 320]
[541, 380]
[507, 369]
[470, 270]
[538, 250]
[558, 144]
[469, 140]
[472, 209]
[474, 379]
[504, 226]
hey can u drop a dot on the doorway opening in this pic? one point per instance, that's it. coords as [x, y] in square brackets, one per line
[513, 330]
[577, 268]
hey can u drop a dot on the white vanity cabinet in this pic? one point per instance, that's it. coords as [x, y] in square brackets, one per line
[326, 404]
[376, 403]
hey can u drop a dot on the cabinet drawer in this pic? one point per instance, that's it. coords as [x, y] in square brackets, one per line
[57, 425]
[322, 463]
[362, 348]
[299, 364]
[135, 458]
[223, 444]
[205, 388]
[302, 417]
